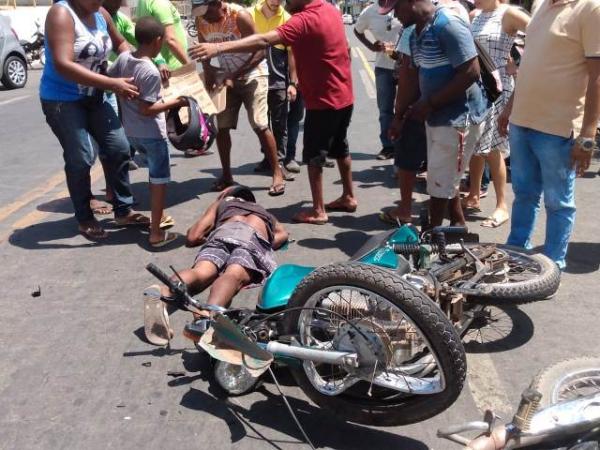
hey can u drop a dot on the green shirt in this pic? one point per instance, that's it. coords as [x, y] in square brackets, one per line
[166, 13]
[126, 27]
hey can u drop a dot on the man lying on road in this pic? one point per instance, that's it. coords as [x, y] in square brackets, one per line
[238, 237]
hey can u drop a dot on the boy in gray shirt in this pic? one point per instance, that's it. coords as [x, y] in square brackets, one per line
[144, 117]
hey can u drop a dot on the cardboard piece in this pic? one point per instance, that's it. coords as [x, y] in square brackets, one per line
[186, 81]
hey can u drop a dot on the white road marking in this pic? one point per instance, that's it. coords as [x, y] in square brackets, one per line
[14, 99]
[368, 84]
[487, 389]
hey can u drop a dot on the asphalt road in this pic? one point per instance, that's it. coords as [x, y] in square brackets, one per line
[74, 372]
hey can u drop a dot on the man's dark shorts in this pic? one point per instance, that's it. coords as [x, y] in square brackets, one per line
[325, 135]
[411, 148]
[238, 243]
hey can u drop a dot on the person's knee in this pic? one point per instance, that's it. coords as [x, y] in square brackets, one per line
[238, 275]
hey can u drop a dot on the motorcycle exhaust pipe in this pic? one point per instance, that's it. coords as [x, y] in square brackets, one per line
[314, 355]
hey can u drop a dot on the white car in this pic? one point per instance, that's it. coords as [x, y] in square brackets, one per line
[347, 19]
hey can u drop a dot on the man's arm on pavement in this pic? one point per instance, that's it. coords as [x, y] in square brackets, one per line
[198, 232]
[280, 235]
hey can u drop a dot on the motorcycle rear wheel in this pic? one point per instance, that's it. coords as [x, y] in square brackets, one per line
[363, 402]
[530, 277]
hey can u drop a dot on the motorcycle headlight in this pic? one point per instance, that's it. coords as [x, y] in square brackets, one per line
[234, 379]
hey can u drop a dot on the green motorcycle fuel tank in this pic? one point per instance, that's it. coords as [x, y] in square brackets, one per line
[377, 251]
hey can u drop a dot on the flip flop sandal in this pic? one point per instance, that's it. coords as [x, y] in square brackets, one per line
[309, 220]
[277, 190]
[335, 206]
[169, 237]
[386, 217]
[94, 233]
[166, 222]
[101, 208]
[156, 319]
[221, 185]
[468, 207]
[133, 220]
[493, 222]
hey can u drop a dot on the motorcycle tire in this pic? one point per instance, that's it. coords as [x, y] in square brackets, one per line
[443, 339]
[568, 380]
[570, 374]
[542, 286]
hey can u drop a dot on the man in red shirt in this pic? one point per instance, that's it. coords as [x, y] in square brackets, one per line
[317, 38]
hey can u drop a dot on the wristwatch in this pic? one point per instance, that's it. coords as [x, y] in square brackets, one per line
[294, 83]
[586, 144]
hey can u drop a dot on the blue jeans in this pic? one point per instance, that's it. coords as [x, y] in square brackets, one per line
[385, 84]
[156, 151]
[295, 115]
[75, 124]
[540, 163]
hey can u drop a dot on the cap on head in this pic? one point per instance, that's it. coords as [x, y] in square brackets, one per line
[385, 6]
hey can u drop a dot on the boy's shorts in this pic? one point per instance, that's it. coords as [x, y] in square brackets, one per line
[157, 154]
[253, 95]
[410, 150]
[325, 135]
[446, 160]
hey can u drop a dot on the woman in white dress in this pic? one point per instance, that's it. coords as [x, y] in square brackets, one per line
[495, 28]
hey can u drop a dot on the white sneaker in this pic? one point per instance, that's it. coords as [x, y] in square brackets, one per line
[156, 319]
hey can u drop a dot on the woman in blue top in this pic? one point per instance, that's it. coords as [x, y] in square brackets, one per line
[79, 37]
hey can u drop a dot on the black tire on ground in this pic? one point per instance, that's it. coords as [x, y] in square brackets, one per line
[14, 73]
[442, 336]
[543, 286]
[548, 381]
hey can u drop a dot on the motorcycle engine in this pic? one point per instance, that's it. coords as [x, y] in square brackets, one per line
[392, 340]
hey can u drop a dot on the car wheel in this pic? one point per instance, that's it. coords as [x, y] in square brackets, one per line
[14, 73]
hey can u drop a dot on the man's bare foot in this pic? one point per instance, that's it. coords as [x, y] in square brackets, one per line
[343, 204]
[92, 230]
[395, 216]
[311, 217]
[498, 218]
[99, 207]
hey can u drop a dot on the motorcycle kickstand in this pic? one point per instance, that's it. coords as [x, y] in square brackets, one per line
[289, 407]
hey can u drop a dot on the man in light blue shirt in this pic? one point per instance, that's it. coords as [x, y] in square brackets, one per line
[441, 86]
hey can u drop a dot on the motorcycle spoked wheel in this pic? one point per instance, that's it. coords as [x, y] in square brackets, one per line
[530, 277]
[352, 286]
[568, 380]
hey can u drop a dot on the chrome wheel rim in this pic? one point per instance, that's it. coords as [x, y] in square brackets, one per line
[411, 369]
[16, 72]
[577, 384]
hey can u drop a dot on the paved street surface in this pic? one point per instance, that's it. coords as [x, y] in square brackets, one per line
[75, 373]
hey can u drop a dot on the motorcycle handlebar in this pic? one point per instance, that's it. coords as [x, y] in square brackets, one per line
[161, 276]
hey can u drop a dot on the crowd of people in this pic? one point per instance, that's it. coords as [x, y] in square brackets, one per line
[437, 113]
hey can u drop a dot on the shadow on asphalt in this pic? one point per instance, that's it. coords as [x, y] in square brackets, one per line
[583, 257]
[272, 413]
[45, 235]
[347, 241]
[505, 329]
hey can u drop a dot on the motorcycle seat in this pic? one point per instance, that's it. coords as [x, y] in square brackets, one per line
[280, 286]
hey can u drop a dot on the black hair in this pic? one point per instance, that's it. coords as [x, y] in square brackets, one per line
[147, 29]
[242, 192]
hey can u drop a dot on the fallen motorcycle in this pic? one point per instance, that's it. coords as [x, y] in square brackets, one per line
[34, 48]
[560, 408]
[377, 339]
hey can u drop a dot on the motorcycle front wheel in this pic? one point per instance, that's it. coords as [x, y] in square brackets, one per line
[524, 277]
[412, 364]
